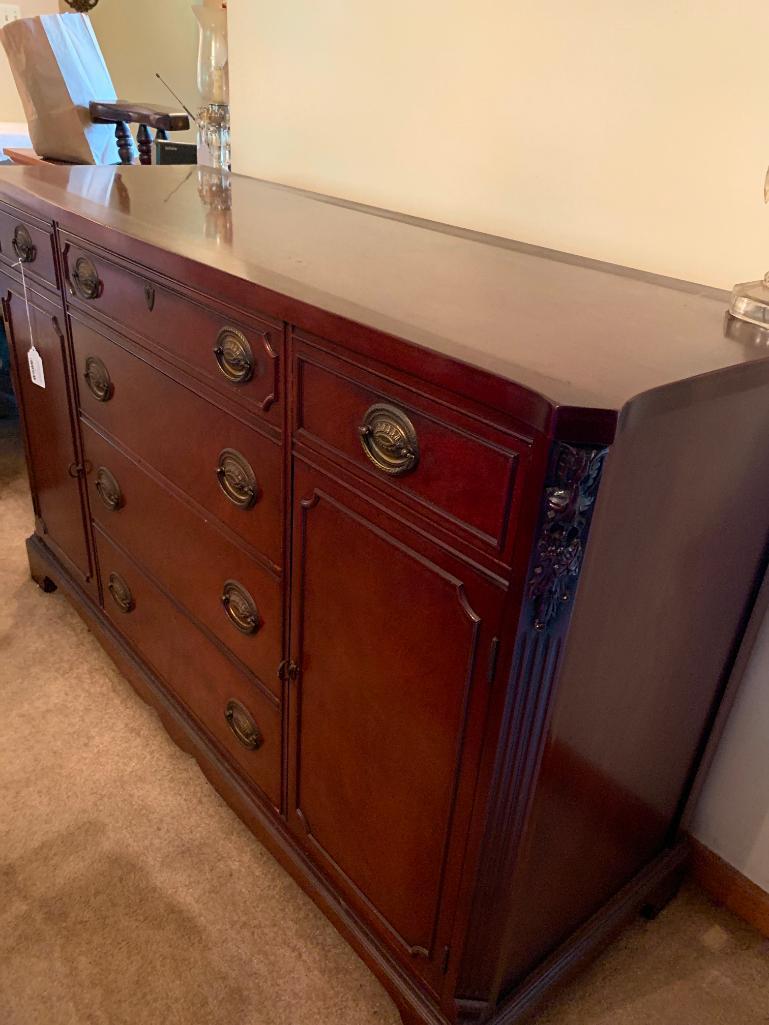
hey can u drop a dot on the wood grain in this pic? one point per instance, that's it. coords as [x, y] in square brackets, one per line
[727, 886]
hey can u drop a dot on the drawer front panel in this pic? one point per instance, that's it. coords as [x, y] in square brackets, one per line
[22, 237]
[189, 556]
[469, 483]
[182, 436]
[247, 369]
[200, 676]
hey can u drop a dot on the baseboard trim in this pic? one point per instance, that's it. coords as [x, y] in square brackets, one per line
[727, 886]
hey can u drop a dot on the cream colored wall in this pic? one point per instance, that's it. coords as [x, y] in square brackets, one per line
[636, 133]
[732, 816]
[10, 104]
[141, 37]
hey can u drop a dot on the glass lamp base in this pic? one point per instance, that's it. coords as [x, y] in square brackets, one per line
[750, 301]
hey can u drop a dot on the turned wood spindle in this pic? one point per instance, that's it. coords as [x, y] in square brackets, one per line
[124, 147]
[144, 141]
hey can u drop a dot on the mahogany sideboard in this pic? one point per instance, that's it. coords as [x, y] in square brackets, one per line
[435, 549]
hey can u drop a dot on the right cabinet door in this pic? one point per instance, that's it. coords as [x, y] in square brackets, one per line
[394, 642]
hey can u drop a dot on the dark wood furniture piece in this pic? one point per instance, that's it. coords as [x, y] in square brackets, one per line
[435, 549]
[122, 113]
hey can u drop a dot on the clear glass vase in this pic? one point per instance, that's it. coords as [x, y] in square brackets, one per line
[213, 78]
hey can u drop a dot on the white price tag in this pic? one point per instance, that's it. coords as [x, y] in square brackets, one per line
[36, 368]
[33, 356]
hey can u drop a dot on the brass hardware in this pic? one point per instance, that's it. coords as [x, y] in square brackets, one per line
[108, 489]
[242, 724]
[288, 670]
[121, 593]
[240, 607]
[23, 246]
[75, 469]
[234, 356]
[389, 439]
[97, 378]
[149, 295]
[85, 279]
[236, 478]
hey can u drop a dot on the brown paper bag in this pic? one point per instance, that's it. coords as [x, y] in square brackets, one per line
[59, 68]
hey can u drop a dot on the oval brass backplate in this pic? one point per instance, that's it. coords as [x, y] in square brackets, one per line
[85, 279]
[242, 724]
[240, 607]
[23, 245]
[97, 378]
[234, 356]
[108, 489]
[389, 439]
[121, 593]
[236, 478]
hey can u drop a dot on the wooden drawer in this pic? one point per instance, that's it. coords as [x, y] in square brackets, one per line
[187, 439]
[247, 369]
[23, 236]
[186, 554]
[199, 675]
[464, 474]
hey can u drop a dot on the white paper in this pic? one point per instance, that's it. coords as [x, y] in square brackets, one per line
[59, 69]
[36, 371]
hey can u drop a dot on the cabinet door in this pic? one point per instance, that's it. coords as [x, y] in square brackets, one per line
[48, 422]
[393, 640]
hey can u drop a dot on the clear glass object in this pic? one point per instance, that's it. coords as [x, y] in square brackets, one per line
[213, 83]
[213, 74]
[750, 301]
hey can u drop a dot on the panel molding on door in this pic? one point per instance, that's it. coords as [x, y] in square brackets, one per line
[390, 750]
[53, 446]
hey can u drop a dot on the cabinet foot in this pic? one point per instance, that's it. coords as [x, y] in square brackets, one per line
[38, 568]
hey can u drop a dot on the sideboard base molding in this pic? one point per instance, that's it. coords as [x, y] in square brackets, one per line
[646, 894]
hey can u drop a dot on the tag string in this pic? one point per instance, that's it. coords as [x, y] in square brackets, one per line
[20, 265]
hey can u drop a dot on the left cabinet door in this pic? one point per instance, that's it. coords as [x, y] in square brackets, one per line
[49, 422]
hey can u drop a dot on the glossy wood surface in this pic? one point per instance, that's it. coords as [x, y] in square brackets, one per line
[188, 555]
[180, 329]
[52, 448]
[469, 475]
[194, 670]
[388, 708]
[40, 259]
[569, 329]
[181, 435]
[657, 626]
[475, 754]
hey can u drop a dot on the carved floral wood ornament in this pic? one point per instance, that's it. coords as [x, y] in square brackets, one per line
[568, 508]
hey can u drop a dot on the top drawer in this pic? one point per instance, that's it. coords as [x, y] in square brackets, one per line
[462, 473]
[240, 356]
[29, 240]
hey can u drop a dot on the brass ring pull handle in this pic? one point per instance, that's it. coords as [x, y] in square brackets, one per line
[389, 439]
[121, 593]
[108, 489]
[236, 479]
[240, 607]
[242, 724]
[22, 244]
[97, 378]
[233, 355]
[85, 279]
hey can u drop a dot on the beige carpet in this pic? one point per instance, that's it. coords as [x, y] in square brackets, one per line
[131, 895]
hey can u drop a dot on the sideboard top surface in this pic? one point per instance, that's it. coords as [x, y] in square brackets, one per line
[578, 332]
